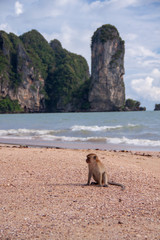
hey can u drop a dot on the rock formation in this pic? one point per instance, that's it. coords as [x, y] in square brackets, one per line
[19, 80]
[157, 107]
[39, 76]
[107, 91]
[133, 105]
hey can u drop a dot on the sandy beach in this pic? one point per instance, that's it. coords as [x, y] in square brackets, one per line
[43, 195]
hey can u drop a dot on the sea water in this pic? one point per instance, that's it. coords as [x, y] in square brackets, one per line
[108, 130]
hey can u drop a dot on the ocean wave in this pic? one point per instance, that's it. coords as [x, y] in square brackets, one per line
[74, 139]
[26, 132]
[51, 135]
[123, 140]
[136, 142]
[131, 125]
[45, 135]
[94, 128]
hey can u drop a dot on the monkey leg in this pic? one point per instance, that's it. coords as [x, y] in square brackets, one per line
[94, 183]
[89, 178]
[104, 180]
[105, 185]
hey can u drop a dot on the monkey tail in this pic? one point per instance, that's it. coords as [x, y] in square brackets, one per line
[117, 184]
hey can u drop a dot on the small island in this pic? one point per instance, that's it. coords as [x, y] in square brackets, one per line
[133, 105]
[157, 107]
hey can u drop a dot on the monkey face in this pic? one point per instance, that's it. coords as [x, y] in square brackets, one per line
[88, 160]
[91, 158]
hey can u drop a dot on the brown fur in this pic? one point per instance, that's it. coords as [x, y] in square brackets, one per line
[97, 170]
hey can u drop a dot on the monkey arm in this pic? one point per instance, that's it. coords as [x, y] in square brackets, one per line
[89, 178]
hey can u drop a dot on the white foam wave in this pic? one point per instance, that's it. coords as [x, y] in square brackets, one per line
[94, 128]
[74, 139]
[131, 125]
[26, 132]
[50, 135]
[45, 135]
[137, 142]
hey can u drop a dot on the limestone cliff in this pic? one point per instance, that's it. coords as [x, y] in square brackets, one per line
[107, 91]
[36, 76]
[19, 80]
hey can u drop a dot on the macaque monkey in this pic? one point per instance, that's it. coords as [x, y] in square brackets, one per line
[97, 170]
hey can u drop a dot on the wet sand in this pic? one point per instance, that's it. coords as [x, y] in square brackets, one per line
[43, 195]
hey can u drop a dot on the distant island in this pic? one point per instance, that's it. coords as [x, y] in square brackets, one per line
[157, 107]
[37, 76]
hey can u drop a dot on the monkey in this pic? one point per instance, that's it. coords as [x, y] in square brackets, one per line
[97, 170]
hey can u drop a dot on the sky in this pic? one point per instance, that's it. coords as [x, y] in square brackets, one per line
[73, 23]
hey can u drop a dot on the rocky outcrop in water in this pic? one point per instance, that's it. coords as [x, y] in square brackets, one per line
[157, 107]
[133, 105]
[107, 90]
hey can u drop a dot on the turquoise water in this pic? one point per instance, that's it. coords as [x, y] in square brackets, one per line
[109, 130]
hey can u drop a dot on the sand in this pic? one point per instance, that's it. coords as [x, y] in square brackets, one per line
[43, 195]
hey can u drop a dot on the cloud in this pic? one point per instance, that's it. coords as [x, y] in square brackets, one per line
[123, 3]
[148, 88]
[141, 58]
[3, 26]
[130, 36]
[140, 51]
[18, 8]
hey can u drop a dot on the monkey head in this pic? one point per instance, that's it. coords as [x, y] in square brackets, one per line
[91, 158]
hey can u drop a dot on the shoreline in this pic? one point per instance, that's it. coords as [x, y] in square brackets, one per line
[79, 145]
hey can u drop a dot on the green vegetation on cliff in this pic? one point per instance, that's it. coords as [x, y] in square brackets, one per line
[71, 71]
[4, 42]
[29, 60]
[133, 105]
[9, 106]
[104, 33]
[9, 44]
[39, 51]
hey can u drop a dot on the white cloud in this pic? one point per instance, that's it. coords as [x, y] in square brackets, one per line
[151, 63]
[156, 73]
[68, 32]
[120, 4]
[66, 2]
[148, 88]
[141, 58]
[130, 36]
[18, 8]
[140, 51]
[3, 26]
